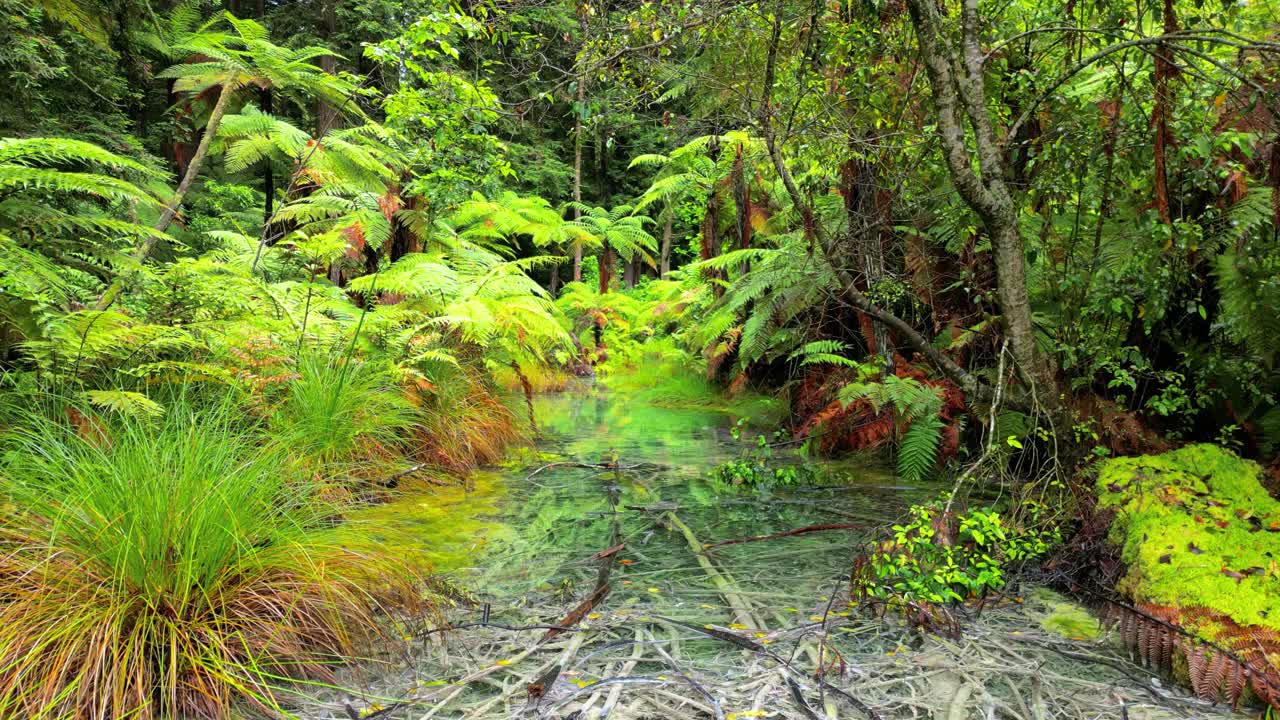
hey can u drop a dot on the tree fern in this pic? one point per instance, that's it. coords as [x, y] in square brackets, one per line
[918, 405]
[823, 352]
[1247, 273]
[124, 402]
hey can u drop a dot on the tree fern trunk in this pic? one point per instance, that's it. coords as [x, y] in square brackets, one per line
[667, 229]
[171, 208]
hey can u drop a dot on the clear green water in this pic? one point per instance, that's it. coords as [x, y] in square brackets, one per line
[520, 539]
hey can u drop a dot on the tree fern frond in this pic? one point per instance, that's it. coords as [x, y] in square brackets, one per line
[918, 450]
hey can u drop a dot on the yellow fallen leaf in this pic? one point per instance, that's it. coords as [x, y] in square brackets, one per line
[737, 626]
[760, 634]
[593, 616]
[504, 662]
[654, 590]
[816, 618]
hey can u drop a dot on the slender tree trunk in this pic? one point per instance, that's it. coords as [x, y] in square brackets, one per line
[608, 256]
[1160, 115]
[667, 231]
[578, 110]
[175, 203]
[742, 203]
[268, 170]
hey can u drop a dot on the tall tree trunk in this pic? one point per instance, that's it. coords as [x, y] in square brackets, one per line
[175, 202]
[866, 223]
[710, 246]
[667, 231]
[959, 95]
[326, 114]
[1160, 115]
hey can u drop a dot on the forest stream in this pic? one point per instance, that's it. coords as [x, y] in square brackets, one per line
[598, 525]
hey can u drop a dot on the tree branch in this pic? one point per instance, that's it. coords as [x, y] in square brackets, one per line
[966, 381]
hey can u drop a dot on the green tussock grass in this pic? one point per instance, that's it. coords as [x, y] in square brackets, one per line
[342, 416]
[169, 568]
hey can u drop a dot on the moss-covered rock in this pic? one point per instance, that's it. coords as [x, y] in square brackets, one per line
[1197, 529]
[1201, 540]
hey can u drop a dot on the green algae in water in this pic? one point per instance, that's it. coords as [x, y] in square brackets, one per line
[1063, 617]
[519, 541]
[1197, 528]
[441, 528]
[663, 384]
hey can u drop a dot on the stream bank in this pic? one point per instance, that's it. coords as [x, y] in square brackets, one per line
[594, 594]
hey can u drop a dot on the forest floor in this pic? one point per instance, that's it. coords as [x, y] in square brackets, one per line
[609, 577]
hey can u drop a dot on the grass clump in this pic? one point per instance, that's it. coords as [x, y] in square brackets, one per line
[342, 416]
[1196, 529]
[167, 568]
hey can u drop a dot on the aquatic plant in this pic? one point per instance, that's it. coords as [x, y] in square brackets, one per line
[169, 568]
[756, 466]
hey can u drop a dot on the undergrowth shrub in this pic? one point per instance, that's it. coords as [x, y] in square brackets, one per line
[940, 557]
[168, 568]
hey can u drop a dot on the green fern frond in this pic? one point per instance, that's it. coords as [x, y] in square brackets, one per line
[918, 450]
[129, 404]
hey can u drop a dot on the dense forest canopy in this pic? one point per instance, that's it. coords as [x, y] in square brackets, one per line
[1005, 240]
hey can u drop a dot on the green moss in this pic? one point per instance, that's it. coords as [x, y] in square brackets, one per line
[1197, 528]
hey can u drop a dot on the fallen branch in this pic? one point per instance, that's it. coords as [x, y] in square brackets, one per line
[575, 616]
[607, 553]
[789, 533]
[741, 610]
